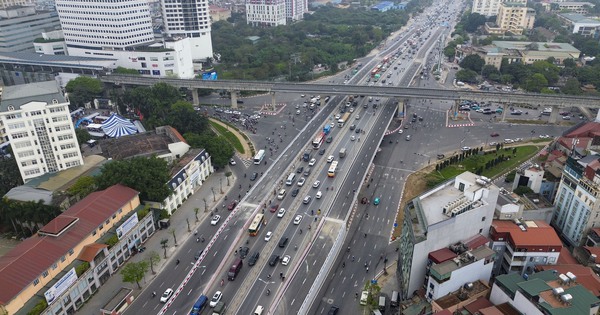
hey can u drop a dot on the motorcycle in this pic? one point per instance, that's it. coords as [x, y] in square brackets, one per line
[268, 292]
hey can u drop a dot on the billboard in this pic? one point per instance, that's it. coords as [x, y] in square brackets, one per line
[127, 225]
[212, 76]
[61, 286]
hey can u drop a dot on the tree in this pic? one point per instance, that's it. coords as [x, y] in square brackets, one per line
[82, 136]
[122, 70]
[10, 176]
[164, 243]
[184, 118]
[153, 258]
[218, 147]
[473, 62]
[134, 272]
[535, 83]
[172, 230]
[572, 86]
[490, 72]
[83, 90]
[196, 210]
[466, 75]
[522, 190]
[149, 176]
[84, 186]
[474, 21]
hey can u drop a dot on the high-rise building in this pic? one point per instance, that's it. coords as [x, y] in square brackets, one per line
[295, 9]
[266, 12]
[445, 215]
[13, 3]
[490, 7]
[189, 18]
[40, 129]
[20, 26]
[515, 17]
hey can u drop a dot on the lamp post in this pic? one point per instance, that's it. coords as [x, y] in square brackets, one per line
[213, 192]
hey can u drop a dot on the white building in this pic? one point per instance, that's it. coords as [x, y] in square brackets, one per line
[20, 26]
[445, 215]
[544, 293]
[580, 24]
[191, 19]
[266, 13]
[122, 30]
[39, 127]
[459, 269]
[490, 7]
[51, 43]
[523, 245]
[531, 177]
[295, 9]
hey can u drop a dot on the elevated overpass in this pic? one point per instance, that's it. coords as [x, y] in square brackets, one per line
[556, 101]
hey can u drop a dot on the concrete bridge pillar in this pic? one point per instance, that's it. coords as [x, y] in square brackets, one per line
[273, 101]
[553, 115]
[233, 98]
[504, 110]
[195, 98]
[454, 109]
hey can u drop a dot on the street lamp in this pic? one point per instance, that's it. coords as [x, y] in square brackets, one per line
[213, 191]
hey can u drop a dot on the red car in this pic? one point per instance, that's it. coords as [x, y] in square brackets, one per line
[232, 205]
[274, 208]
[494, 134]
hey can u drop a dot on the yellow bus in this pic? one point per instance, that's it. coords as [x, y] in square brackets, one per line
[257, 223]
[332, 169]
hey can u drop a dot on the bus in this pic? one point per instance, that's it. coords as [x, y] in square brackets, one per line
[318, 140]
[385, 60]
[257, 223]
[375, 71]
[332, 169]
[259, 157]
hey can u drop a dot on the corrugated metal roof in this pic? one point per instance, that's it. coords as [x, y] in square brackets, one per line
[26, 262]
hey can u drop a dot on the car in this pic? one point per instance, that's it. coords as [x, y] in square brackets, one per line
[166, 296]
[274, 208]
[330, 158]
[332, 125]
[376, 201]
[319, 194]
[357, 117]
[400, 131]
[281, 212]
[232, 162]
[508, 141]
[306, 200]
[465, 148]
[407, 137]
[493, 143]
[215, 299]
[566, 117]
[440, 156]
[297, 219]
[329, 139]
[297, 106]
[295, 192]
[413, 119]
[338, 116]
[352, 138]
[253, 259]
[301, 181]
[420, 118]
[302, 95]
[357, 130]
[333, 310]
[406, 126]
[286, 260]
[316, 184]
[494, 134]
[253, 176]
[300, 169]
[244, 252]
[273, 260]
[215, 219]
[298, 112]
[232, 205]
[312, 162]
[352, 127]
[283, 241]
[351, 110]
[268, 236]
[322, 152]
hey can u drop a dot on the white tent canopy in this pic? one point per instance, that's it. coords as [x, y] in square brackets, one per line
[116, 126]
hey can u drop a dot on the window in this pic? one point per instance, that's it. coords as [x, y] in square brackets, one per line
[480, 231]
[71, 252]
[62, 259]
[482, 219]
[45, 273]
[54, 266]
[36, 282]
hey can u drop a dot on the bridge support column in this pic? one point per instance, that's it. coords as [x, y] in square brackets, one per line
[454, 109]
[195, 98]
[273, 104]
[233, 98]
[504, 110]
[553, 115]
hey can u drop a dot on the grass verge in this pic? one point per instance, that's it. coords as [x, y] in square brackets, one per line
[231, 138]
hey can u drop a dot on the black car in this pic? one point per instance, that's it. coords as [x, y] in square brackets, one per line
[295, 192]
[300, 169]
[283, 241]
[357, 130]
[322, 151]
[253, 259]
[198, 254]
[440, 156]
[273, 260]
[253, 176]
[333, 310]
[329, 139]
[244, 252]
[352, 127]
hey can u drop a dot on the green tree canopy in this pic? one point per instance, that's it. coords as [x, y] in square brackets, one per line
[83, 90]
[218, 147]
[466, 75]
[82, 136]
[134, 272]
[184, 118]
[572, 86]
[474, 21]
[149, 176]
[535, 83]
[473, 62]
[84, 186]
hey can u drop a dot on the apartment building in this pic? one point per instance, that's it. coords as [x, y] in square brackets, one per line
[513, 17]
[266, 12]
[569, 6]
[14, 3]
[490, 7]
[445, 215]
[191, 19]
[37, 122]
[20, 26]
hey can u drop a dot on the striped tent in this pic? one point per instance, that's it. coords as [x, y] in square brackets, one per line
[116, 126]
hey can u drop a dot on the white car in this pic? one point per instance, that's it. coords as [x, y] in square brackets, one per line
[330, 158]
[298, 112]
[400, 131]
[319, 194]
[357, 117]
[281, 213]
[352, 138]
[215, 299]
[316, 184]
[166, 296]
[286, 260]
[297, 219]
[232, 162]
[301, 181]
[306, 200]
[465, 148]
[215, 219]
[338, 116]
[312, 162]
[332, 125]
[351, 110]
[268, 236]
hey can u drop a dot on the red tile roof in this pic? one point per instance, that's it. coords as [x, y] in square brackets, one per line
[597, 231]
[441, 255]
[565, 257]
[26, 262]
[595, 251]
[444, 312]
[585, 275]
[476, 241]
[478, 304]
[90, 251]
[587, 129]
[542, 235]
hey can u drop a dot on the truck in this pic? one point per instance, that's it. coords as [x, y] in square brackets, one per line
[342, 152]
[343, 120]
[234, 269]
[306, 156]
[327, 129]
[219, 308]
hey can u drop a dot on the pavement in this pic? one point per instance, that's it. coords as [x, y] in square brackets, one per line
[179, 222]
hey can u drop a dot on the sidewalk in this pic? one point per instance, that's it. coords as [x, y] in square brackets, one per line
[179, 224]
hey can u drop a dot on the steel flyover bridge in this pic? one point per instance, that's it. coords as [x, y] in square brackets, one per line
[547, 100]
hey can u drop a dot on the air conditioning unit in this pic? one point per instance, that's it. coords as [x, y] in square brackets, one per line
[566, 298]
[54, 101]
[558, 291]
[571, 276]
[470, 255]
[563, 279]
